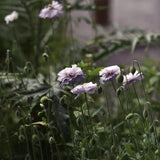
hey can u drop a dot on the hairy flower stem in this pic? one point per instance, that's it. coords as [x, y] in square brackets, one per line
[112, 130]
[133, 120]
[124, 114]
[56, 146]
[85, 126]
[150, 109]
[86, 99]
[9, 145]
[40, 145]
[27, 142]
[71, 129]
[140, 106]
[110, 120]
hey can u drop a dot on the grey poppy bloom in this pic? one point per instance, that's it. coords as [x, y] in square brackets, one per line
[70, 76]
[109, 73]
[11, 17]
[53, 10]
[130, 78]
[84, 88]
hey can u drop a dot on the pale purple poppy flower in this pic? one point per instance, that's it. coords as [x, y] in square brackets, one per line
[70, 76]
[130, 78]
[109, 73]
[53, 10]
[11, 17]
[84, 88]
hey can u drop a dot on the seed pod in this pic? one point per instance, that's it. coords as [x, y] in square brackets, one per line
[132, 69]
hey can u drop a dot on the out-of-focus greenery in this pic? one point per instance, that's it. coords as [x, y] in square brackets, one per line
[40, 120]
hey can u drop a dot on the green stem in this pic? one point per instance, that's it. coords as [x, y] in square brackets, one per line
[124, 114]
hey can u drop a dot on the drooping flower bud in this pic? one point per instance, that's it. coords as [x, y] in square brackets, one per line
[99, 89]
[132, 69]
[44, 100]
[119, 78]
[145, 113]
[21, 137]
[63, 99]
[118, 92]
[45, 56]
[129, 116]
[51, 140]
[34, 137]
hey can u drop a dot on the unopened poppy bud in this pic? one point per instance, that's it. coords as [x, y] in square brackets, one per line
[129, 116]
[157, 151]
[45, 56]
[39, 113]
[21, 137]
[151, 129]
[119, 78]
[51, 140]
[34, 137]
[156, 122]
[63, 99]
[118, 91]
[28, 64]
[28, 118]
[145, 113]
[18, 113]
[44, 99]
[41, 105]
[132, 69]
[99, 89]
[28, 67]
[8, 51]
[113, 148]
[25, 69]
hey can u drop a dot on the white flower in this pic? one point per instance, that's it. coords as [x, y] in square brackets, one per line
[84, 88]
[71, 75]
[109, 73]
[11, 17]
[53, 10]
[130, 78]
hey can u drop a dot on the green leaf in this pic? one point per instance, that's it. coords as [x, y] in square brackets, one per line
[130, 151]
[134, 43]
[95, 72]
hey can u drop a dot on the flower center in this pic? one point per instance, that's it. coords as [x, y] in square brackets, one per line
[109, 74]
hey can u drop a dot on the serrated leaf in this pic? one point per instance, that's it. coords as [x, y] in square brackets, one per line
[95, 72]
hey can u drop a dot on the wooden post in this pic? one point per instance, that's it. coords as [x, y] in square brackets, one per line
[102, 17]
